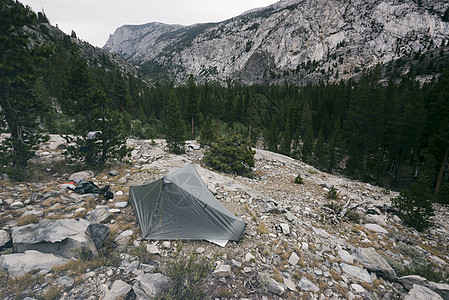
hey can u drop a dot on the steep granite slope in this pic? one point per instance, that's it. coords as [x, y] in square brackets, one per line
[292, 40]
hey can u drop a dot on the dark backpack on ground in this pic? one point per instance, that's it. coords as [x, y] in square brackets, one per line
[88, 187]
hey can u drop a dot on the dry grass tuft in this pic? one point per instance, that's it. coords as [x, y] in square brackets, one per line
[51, 293]
[25, 220]
[335, 275]
[51, 201]
[377, 282]
[341, 290]
[367, 286]
[262, 228]
[16, 286]
[277, 276]
[90, 203]
[316, 263]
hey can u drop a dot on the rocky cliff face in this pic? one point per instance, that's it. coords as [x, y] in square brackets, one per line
[293, 40]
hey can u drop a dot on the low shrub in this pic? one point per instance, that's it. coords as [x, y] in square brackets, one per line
[298, 179]
[188, 274]
[427, 271]
[337, 208]
[231, 154]
[332, 194]
[353, 217]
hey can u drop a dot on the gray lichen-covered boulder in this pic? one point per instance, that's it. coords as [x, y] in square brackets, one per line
[270, 284]
[99, 214]
[5, 240]
[18, 264]
[150, 285]
[60, 237]
[119, 290]
[81, 175]
[371, 260]
[98, 233]
[356, 272]
[410, 281]
[419, 292]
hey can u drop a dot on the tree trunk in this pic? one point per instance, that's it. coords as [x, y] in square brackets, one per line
[440, 175]
[398, 171]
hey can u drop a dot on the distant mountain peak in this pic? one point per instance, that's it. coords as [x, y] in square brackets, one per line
[289, 41]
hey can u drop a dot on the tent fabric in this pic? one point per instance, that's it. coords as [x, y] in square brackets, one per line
[179, 206]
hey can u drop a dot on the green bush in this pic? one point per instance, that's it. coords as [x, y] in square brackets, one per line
[415, 211]
[208, 132]
[427, 271]
[84, 253]
[16, 174]
[337, 208]
[231, 154]
[188, 275]
[353, 216]
[415, 203]
[332, 194]
[298, 179]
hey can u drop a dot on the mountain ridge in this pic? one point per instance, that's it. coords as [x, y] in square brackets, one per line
[289, 41]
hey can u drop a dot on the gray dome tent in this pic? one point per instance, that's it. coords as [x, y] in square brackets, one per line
[179, 206]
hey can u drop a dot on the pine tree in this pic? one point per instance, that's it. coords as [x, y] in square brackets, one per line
[191, 104]
[437, 128]
[334, 146]
[20, 110]
[174, 126]
[321, 152]
[231, 154]
[306, 132]
[286, 141]
[415, 203]
[208, 132]
[92, 111]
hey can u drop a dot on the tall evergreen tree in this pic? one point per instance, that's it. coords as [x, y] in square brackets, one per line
[286, 141]
[437, 129]
[334, 146]
[191, 104]
[415, 203]
[174, 126]
[306, 132]
[93, 111]
[20, 110]
[208, 132]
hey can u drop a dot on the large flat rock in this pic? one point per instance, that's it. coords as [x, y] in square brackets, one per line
[61, 237]
[371, 260]
[419, 292]
[18, 264]
[147, 286]
[119, 290]
[356, 272]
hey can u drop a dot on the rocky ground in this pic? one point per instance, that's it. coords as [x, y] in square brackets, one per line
[299, 242]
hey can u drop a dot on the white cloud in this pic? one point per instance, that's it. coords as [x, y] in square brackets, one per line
[93, 21]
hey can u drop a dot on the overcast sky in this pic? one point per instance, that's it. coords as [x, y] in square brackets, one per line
[94, 20]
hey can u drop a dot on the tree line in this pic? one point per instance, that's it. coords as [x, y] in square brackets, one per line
[380, 131]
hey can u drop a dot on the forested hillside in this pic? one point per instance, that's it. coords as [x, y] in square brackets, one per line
[371, 131]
